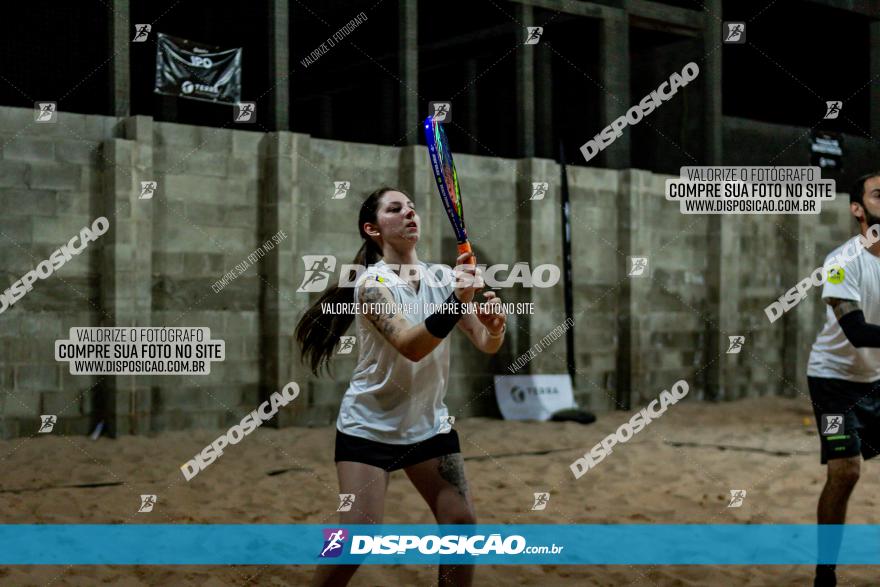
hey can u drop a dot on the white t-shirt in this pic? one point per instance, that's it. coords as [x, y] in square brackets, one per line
[391, 399]
[833, 356]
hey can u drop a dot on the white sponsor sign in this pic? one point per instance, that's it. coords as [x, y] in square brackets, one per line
[533, 397]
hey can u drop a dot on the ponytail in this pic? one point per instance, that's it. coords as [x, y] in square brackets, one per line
[318, 333]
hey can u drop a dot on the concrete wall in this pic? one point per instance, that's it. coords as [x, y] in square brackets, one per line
[222, 192]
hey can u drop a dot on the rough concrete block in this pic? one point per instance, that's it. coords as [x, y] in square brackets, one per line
[223, 398]
[36, 377]
[12, 120]
[60, 403]
[58, 229]
[246, 143]
[13, 174]
[18, 202]
[212, 190]
[27, 148]
[172, 136]
[22, 403]
[42, 327]
[57, 176]
[16, 232]
[9, 428]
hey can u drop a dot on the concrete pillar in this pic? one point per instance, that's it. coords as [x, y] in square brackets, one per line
[469, 112]
[408, 65]
[120, 32]
[325, 116]
[126, 266]
[545, 145]
[874, 88]
[279, 303]
[710, 72]
[539, 239]
[525, 86]
[278, 116]
[417, 179]
[722, 274]
[614, 73]
[633, 241]
[800, 325]
[387, 112]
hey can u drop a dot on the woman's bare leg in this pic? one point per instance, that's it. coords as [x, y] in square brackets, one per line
[368, 484]
[442, 483]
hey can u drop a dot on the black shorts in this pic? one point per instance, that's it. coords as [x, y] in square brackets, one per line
[859, 430]
[392, 457]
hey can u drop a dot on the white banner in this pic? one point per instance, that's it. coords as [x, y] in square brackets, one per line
[533, 397]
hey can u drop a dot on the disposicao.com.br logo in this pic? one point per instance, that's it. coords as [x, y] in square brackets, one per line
[319, 271]
[429, 544]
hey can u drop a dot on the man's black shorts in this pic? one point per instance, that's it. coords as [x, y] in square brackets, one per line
[859, 404]
[392, 457]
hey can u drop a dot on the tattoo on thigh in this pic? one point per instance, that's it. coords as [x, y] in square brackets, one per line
[451, 469]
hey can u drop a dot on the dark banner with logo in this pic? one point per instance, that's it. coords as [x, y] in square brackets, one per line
[197, 71]
[826, 150]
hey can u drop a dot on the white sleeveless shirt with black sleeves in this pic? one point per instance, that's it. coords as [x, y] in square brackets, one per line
[391, 399]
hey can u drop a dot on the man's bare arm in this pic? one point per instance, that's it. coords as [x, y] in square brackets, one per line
[842, 307]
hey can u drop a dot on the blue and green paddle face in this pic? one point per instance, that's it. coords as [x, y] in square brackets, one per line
[447, 182]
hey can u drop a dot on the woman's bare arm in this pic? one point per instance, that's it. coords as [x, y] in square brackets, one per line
[412, 341]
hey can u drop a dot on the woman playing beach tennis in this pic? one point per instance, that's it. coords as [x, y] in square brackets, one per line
[393, 415]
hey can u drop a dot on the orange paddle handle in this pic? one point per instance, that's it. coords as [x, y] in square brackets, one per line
[465, 247]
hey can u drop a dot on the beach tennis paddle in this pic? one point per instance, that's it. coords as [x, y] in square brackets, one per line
[447, 183]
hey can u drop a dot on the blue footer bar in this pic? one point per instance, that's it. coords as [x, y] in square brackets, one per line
[518, 544]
